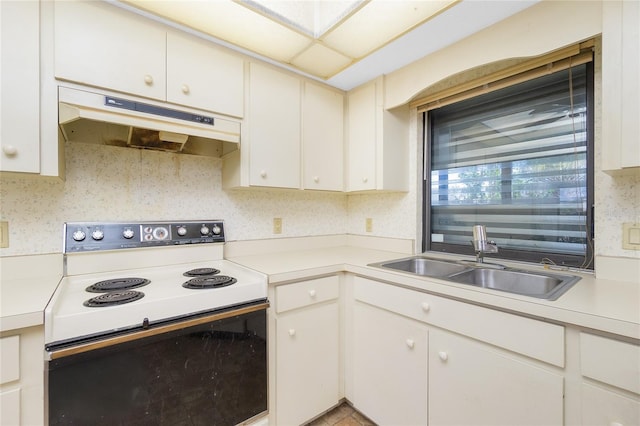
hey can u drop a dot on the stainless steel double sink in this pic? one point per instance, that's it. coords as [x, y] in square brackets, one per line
[542, 285]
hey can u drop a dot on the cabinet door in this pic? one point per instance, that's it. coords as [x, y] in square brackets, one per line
[203, 76]
[620, 85]
[472, 384]
[307, 354]
[361, 157]
[322, 137]
[101, 45]
[603, 407]
[274, 128]
[10, 407]
[19, 86]
[389, 367]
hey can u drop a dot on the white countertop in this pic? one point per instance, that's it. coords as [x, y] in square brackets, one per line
[605, 305]
[27, 284]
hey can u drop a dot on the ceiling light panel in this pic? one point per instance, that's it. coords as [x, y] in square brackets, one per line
[321, 61]
[312, 17]
[232, 23]
[379, 22]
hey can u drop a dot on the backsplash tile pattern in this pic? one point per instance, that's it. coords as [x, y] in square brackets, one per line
[118, 184]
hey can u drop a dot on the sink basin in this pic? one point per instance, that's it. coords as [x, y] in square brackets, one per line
[542, 285]
[534, 284]
[424, 266]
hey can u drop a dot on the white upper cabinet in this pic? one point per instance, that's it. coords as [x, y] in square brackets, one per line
[271, 132]
[100, 45]
[20, 86]
[274, 128]
[620, 85]
[378, 140]
[322, 138]
[201, 76]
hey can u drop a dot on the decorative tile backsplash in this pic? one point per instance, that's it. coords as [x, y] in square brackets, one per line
[106, 183]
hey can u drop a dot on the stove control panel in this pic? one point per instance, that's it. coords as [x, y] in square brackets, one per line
[95, 236]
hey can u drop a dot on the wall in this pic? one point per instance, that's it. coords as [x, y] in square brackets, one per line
[106, 183]
[537, 30]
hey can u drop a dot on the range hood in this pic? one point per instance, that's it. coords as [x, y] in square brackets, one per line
[98, 117]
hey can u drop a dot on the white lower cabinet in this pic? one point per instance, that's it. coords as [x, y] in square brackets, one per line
[603, 407]
[21, 377]
[389, 367]
[610, 388]
[415, 362]
[307, 350]
[473, 384]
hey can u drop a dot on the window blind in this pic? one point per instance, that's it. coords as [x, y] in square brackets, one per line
[514, 160]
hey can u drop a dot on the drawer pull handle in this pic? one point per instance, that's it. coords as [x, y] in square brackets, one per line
[148, 80]
[410, 343]
[292, 332]
[312, 293]
[443, 356]
[425, 306]
[263, 174]
[185, 89]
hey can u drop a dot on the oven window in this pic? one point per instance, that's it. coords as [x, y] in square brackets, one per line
[210, 374]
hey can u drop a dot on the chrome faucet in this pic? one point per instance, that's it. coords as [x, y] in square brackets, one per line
[480, 243]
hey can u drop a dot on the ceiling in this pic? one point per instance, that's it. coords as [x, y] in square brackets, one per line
[343, 43]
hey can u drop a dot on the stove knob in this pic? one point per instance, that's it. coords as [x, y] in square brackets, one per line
[204, 230]
[182, 231]
[128, 233]
[79, 235]
[216, 230]
[97, 235]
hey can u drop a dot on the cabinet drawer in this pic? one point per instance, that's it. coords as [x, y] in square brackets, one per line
[297, 295]
[610, 361]
[9, 359]
[533, 338]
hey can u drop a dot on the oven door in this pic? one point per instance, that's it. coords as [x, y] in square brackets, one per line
[210, 370]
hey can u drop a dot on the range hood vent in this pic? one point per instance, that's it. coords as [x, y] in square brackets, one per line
[100, 118]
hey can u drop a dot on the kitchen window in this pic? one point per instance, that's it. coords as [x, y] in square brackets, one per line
[519, 160]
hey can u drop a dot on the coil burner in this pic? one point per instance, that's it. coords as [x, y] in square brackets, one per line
[113, 298]
[213, 281]
[199, 272]
[117, 284]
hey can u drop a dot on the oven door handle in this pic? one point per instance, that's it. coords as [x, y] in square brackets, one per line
[176, 325]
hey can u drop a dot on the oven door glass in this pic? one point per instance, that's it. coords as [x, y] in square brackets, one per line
[209, 374]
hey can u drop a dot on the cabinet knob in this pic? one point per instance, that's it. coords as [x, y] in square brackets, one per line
[263, 174]
[148, 80]
[443, 356]
[185, 89]
[316, 179]
[410, 343]
[425, 306]
[292, 332]
[365, 179]
[312, 293]
[9, 150]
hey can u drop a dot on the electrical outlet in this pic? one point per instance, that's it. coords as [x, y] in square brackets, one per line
[369, 225]
[631, 236]
[277, 225]
[4, 234]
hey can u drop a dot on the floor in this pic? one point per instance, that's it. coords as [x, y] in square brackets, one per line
[342, 415]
